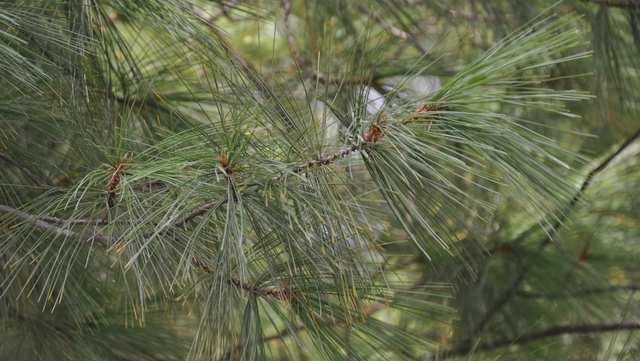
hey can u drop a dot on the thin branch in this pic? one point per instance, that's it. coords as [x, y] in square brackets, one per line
[280, 294]
[291, 40]
[361, 145]
[630, 4]
[200, 210]
[74, 221]
[393, 30]
[294, 50]
[578, 293]
[325, 160]
[34, 178]
[58, 231]
[555, 228]
[535, 336]
[276, 293]
[368, 311]
[318, 162]
[211, 19]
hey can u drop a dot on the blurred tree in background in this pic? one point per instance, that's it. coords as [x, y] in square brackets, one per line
[319, 180]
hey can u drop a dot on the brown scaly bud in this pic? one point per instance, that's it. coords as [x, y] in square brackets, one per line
[114, 180]
[375, 131]
[373, 135]
[224, 161]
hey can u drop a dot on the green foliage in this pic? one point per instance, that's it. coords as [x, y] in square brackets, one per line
[324, 180]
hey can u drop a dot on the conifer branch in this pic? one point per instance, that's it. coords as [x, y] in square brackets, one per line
[281, 294]
[201, 209]
[296, 55]
[58, 231]
[74, 221]
[535, 336]
[368, 311]
[291, 40]
[325, 160]
[630, 4]
[553, 231]
[395, 31]
[578, 293]
[34, 178]
[198, 211]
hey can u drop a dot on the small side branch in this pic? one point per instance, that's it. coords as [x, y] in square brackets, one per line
[578, 293]
[282, 294]
[325, 160]
[28, 173]
[628, 4]
[291, 40]
[535, 336]
[58, 231]
[198, 211]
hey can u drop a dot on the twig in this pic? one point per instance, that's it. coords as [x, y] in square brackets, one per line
[34, 178]
[39, 223]
[555, 228]
[535, 336]
[632, 4]
[325, 160]
[370, 310]
[395, 31]
[74, 221]
[302, 63]
[210, 19]
[200, 210]
[280, 294]
[291, 40]
[578, 293]
[276, 293]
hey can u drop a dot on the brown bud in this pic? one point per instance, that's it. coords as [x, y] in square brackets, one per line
[373, 135]
[224, 161]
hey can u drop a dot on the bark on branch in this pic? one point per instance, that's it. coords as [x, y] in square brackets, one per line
[58, 231]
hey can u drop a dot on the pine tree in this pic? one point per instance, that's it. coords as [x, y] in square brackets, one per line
[319, 180]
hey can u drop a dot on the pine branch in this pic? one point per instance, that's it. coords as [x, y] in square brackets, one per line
[281, 294]
[34, 178]
[396, 32]
[535, 336]
[198, 211]
[578, 293]
[58, 231]
[291, 40]
[296, 55]
[211, 19]
[630, 4]
[553, 231]
[325, 160]
[74, 221]
[368, 139]
[369, 311]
